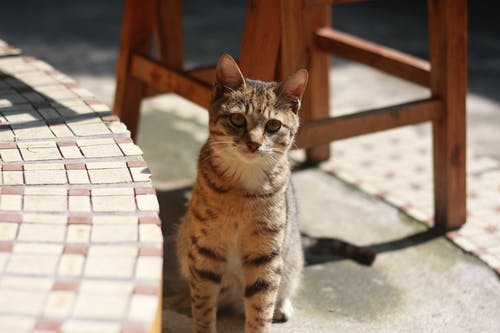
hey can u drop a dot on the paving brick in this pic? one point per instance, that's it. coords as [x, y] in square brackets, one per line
[32, 264]
[78, 234]
[113, 203]
[71, 152]
[44, 218]
[100, 307]
[10, 155]
[78, 177]
[130, 149]
[38, 248]
[44, 166]
[45, 203]
[8, 231]
[14, 301]
[147, 202]
[150, 233]
[38, 177]
[59, 304]
[79, 191]
[42, 233]
[105, 165]
[109, 176]
[142, 307]
[128, 191]
[110, 150]
[109, 267]
[141, 174]
[79, 204]
[11, 202]
[37, 152]
[114, 233]
[115, 219]
[13, 177]
[71, 265]
[149, 268]
[43, 190]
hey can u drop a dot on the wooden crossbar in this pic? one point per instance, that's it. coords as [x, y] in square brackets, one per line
[383, 58]
[205, 73]
[322, 131]
[331, 2]
[167, 79]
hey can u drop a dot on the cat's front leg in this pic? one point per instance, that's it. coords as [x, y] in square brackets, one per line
[205, 288]
[262, 278]
[205, 276]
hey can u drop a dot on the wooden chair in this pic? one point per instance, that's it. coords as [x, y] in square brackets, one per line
[274, 48]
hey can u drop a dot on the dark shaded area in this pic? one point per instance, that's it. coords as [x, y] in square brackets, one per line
[83, 36]
[172, 208]
[319, 250]
[21, 88]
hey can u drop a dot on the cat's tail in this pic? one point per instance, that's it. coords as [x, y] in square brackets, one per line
[316, 247]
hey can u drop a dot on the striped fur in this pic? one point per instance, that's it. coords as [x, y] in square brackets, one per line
[239, 243]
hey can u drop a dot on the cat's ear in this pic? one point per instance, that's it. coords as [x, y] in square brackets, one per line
[227, 74]
[291, 90]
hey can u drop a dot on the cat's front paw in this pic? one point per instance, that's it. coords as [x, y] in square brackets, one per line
[283, 311]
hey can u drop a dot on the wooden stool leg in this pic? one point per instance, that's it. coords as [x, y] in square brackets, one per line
[315, 104]
[260, 45]
[136, 37]
[448, 56]
[169, 33]
[169, 37]
[293, 45]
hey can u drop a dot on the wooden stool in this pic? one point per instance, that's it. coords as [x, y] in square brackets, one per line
[281, 36]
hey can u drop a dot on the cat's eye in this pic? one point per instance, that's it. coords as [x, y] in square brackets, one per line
[273, 126]
[237, 120]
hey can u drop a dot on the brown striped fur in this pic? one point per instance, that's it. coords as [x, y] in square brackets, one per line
[239, 243]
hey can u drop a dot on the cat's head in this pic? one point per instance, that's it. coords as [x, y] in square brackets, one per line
[253, 120]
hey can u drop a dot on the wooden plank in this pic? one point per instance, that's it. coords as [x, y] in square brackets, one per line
[205, 74]
[385, 59]
[157, 323]
[169, 79]
[136, 36]
[315, 103]
[336, 128]
[293, 44]
[169, 33]
[261, 37]
[448, 56]
[169, 36]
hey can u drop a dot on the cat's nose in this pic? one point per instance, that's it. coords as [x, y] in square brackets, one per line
[253, 146]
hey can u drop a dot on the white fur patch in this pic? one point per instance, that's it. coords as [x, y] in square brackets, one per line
[285, 311]
[249, 173]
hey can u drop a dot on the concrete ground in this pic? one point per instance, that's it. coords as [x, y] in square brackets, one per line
[418, 282]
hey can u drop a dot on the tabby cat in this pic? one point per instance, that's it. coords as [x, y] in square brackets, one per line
[239, 243]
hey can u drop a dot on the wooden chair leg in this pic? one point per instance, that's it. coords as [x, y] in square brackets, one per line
[136, 37]
[260, 45]
[293, 46]
[448, 57]
[169, 33]
[169, 37]
[315, 104]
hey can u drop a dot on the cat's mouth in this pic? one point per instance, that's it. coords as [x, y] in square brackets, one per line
[251, 156]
